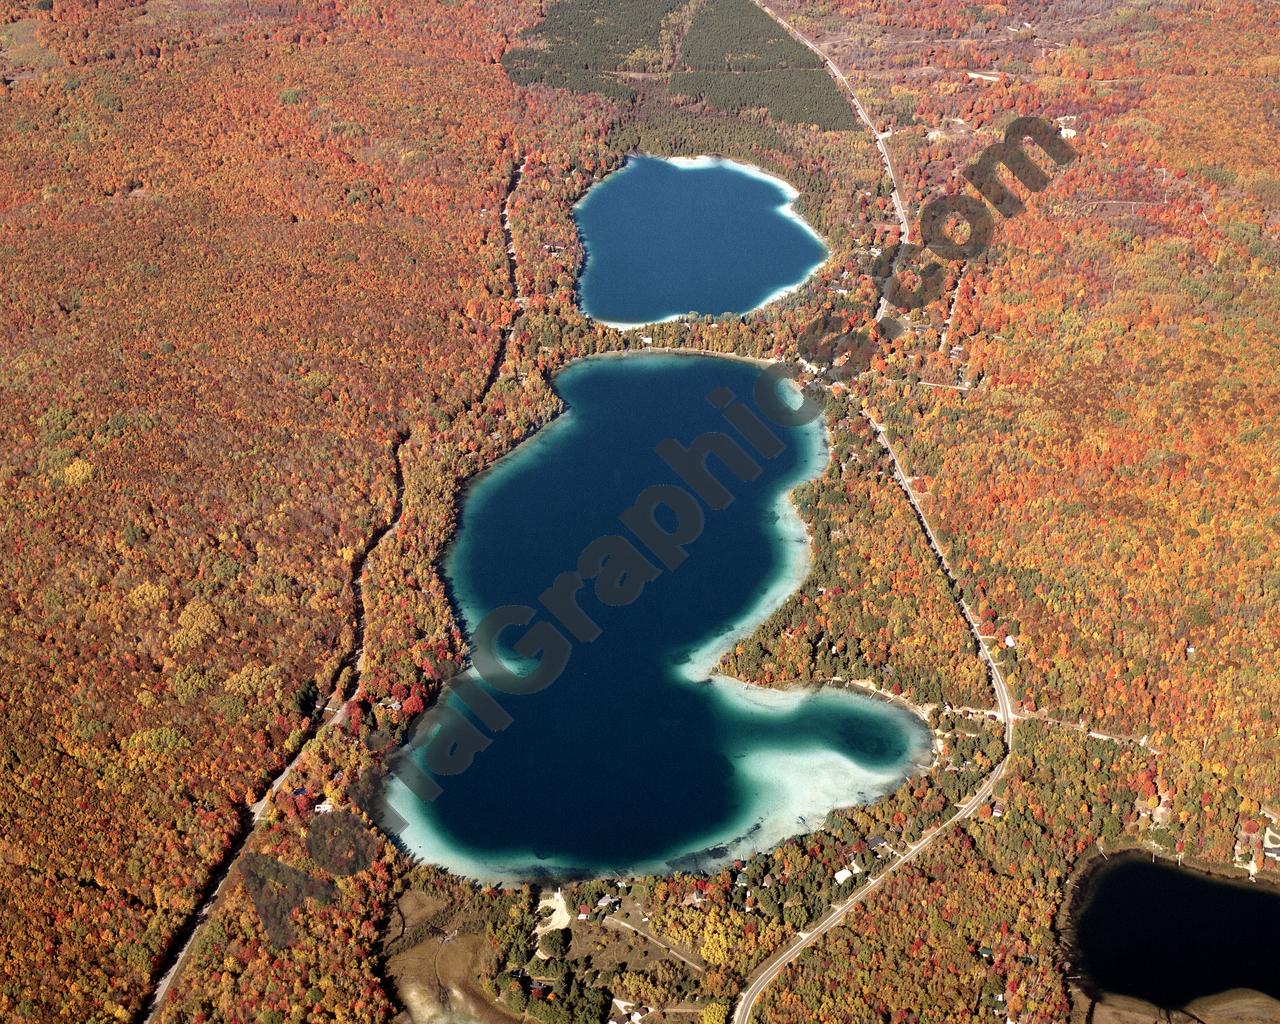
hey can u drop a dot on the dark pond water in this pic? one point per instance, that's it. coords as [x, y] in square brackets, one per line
[1170, 935]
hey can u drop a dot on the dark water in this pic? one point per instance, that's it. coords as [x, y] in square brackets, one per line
[630, 759]
[668, 237]
[1170, 936]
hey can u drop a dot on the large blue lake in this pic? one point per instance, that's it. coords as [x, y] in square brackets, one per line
[670, 237]
[631, 760]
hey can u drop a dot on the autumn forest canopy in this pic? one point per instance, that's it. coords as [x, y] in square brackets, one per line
[280, 278]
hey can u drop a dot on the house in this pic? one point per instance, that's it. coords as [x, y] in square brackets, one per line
[584, 911]
[842, 876]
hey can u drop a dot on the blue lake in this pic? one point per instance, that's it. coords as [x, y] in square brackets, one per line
[670, 237]
[631, 760]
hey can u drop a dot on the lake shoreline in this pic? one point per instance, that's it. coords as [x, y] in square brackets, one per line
[786, 210]
[541, 431]
[1077, 898]
[785, 585]
[536, 436]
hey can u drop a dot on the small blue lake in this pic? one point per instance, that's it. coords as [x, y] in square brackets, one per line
[669, 237]
[633, 759]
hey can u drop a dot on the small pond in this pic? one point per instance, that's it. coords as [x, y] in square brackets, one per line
[1169, 935]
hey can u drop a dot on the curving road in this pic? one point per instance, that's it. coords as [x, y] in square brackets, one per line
[772, 967]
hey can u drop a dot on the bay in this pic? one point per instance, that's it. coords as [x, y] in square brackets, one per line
[634, 759]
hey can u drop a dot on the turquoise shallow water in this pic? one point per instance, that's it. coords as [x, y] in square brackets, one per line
[669, 237]
[632, 760]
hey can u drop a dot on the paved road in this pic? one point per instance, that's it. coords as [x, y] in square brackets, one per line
[772, 967]
[843, 82]
[1004, 703]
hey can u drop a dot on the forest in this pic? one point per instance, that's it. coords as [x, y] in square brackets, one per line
[582, 46]
[281, 277]
[735, 35]
[875, 607]
[793, 95]
[232, 280]
[727, 53]
[735, 57]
